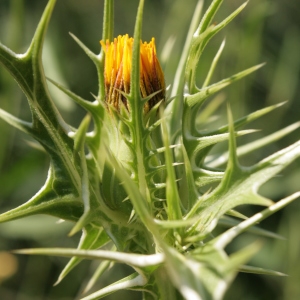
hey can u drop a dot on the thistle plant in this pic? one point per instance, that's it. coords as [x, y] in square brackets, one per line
[138, 177]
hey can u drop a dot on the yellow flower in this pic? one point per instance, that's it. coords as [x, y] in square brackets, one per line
[118, 56]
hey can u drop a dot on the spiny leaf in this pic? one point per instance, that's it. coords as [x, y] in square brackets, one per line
[262, 271]
[175, 107]
[89, 106]
[204, 142]
[230, 222]
[203, 34]
[221, 25]
[67, 207]
[225, 238]
[238, 186]
[129, 282]
[135, 260]
[257, 144]
[247, 119]
[267, 140]
[204, 93]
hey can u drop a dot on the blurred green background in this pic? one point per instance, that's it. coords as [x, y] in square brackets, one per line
[266, 31]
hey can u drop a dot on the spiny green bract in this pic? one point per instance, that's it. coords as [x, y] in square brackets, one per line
[147, 188]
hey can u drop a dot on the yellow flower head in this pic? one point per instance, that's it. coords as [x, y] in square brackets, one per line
[118, 55]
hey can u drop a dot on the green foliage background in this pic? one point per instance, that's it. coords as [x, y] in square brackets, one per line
[266, 31]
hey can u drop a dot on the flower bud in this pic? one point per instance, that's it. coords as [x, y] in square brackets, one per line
[118, 57]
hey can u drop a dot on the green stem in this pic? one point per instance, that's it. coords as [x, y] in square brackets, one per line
[165, 289]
